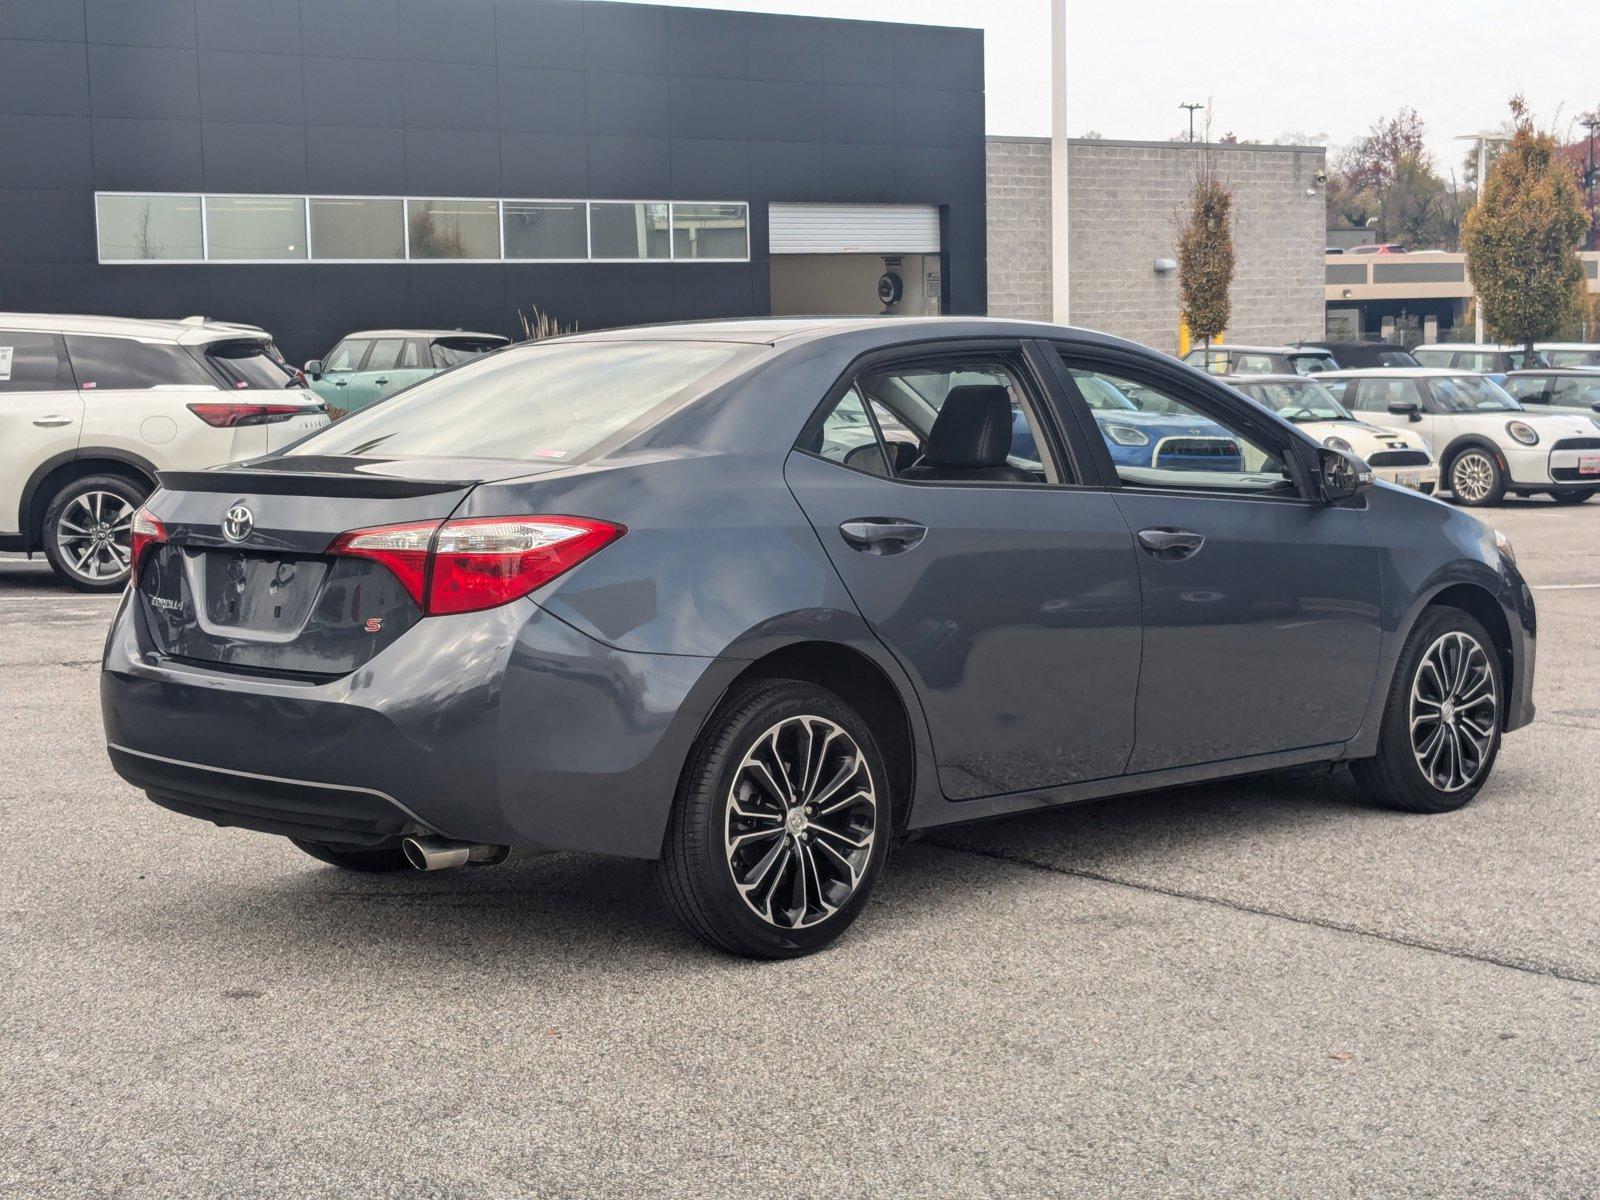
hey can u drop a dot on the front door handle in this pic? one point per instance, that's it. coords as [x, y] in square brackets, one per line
[54, 421]
[1171, 545]
[882, 535]
[381, 379]
[341, 383]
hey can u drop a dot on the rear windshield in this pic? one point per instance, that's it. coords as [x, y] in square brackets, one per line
[252, 364]
[549, 402]
[448, 352]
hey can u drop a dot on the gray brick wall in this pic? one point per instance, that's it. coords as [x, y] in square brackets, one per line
[1127, 202]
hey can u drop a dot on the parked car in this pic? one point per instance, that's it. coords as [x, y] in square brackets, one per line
[1260, 360]
[1483, 358]
[1156, 437]
[1398, 456]
[1486, 443]
[615, 593]
[373, 363]
[1353, 355]
[92, 407]
[1560, 389]
[1570, 354]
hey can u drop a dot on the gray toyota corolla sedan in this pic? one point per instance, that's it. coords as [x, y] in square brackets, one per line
[758, 599]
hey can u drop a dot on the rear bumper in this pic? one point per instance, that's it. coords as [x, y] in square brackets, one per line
[506, 726]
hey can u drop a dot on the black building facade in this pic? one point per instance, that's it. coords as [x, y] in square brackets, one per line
[153, 154]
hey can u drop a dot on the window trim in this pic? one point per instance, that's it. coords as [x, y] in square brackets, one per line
[1063, 357]
[311, 259]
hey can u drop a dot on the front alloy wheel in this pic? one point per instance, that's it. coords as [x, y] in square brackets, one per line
[781, 822]
[1476, 479]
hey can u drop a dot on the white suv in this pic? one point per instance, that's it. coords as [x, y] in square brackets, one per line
[1486, 443]
[92, 407]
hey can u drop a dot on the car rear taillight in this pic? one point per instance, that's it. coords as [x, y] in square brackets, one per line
[483, 562]
[144, 533]
[479, 562]
[401, 548]
[231, 416]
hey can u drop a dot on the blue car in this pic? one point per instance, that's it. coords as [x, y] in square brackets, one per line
[1143, 435]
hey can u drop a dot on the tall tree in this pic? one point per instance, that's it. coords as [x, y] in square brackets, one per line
[1205, 254]
[1386, 181]
[1522, 238]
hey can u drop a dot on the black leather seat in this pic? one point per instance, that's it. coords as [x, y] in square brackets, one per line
[970, 439]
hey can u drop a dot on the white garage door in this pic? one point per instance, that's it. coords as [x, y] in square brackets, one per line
[853, 229]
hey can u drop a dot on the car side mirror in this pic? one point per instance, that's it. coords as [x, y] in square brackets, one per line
[1342, 475]
[1406, 408]
[314, 369]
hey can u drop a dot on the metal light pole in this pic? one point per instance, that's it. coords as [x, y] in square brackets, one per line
[1483, 140]
[1060, 266]
[1191, 108]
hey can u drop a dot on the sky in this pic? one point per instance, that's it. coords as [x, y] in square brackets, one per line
[1267, 67]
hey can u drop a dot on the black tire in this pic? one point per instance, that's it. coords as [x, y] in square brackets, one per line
[1395, 776]
[356, 858]
[836, 861]
[1482, 480]
[69, 508]
[1570, 495]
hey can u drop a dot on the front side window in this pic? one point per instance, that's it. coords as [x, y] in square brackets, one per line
[255, 227]
[149, 228]
[1527, 360]
[32, 362]
[1432, 357]
[1376, 395]
[1471, 393]
[453, 228]
[347, 355]
[386, 353]
[1573, 358]
[108, 362]
[629, 231]
[541, 403]
[1577, 393]
[1167, 442]
[1527, 390]
[1253, 364]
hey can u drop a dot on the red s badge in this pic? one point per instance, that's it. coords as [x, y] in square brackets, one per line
[374, 624]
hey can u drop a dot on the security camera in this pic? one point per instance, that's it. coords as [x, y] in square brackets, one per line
[1322, 178]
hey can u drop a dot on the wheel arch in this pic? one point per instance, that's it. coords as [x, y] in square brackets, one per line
[56, 472]
[1480, 604]
[1447, 457]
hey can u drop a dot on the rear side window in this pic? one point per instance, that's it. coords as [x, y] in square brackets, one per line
[447, 352]
[33, 362]
[248, 364]
[385, 354]
[123, 363]
[1529, 390]
[1431, 358]
[544, 403]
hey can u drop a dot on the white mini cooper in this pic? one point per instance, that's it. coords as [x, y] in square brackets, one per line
[1486, 443]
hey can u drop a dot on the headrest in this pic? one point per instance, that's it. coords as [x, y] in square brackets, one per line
[973, 428]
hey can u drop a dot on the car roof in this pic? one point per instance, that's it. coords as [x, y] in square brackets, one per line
[1566, 345]
[1562, 372]
[878, 331]
[1274, 377]
[1399, 373]
[1492, 347]
[186, 331]
[1231, 346]
[427, 333]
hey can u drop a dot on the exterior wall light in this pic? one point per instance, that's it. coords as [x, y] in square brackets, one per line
[1165, 266]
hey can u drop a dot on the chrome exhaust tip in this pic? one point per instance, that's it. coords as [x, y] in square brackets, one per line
[440, 854]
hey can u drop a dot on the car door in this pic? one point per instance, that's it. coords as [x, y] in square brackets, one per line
[375, 378]
[415, 363]
[41, 415]
[1371, 400]
[1012, 603]
[338, 369]
[1261, 602]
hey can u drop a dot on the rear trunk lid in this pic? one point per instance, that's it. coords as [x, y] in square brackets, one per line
[244, 580]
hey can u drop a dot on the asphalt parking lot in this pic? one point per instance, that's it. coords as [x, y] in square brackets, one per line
[1258, 988]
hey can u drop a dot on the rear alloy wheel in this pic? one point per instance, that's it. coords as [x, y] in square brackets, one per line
[1570, 495]
[1476, 480]
[1441, 725]
[356, 858]
[88, 531]
[781, 824]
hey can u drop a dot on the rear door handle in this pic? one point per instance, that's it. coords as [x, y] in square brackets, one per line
[54, 421]
[1170, 545]
[381, 379]
[882, 535]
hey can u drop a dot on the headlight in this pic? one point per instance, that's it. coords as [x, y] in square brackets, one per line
[1503, 544]
[1523, 432]
[1337, 443]
[1127, 435]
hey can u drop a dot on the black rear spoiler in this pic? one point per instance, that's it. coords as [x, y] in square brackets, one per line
[308, 483]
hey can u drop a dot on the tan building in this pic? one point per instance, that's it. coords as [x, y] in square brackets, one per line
[1127, 201]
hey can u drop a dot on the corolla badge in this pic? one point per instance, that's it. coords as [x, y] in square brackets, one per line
[237, 523]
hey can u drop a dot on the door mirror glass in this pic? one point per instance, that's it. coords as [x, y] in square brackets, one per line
[1343, 475]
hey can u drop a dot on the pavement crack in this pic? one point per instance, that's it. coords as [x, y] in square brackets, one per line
[1525, 968]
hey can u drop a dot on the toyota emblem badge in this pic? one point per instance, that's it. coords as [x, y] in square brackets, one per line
[237, 523]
